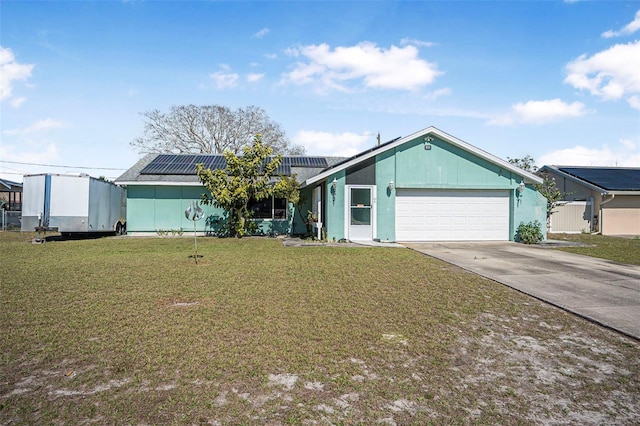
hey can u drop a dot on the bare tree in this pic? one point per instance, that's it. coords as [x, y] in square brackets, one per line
[210, 129]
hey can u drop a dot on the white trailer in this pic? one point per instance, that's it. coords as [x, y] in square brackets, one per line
[73, 204]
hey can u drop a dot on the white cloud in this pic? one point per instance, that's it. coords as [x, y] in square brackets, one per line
[263, 32]
[628, 144]
[224, 80]
[626, 154]
[634, 102]
[432, 96]
[610, 74]
[410, 41]
[252, 78]
[335, 144]
[43, 155]
[38, 126]
[375, 67]
[11, 71]
[628, 29]
[17, 102]
[538, 112]
[34, 153]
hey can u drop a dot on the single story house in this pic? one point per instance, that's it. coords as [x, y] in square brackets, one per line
[599, 199]
[428, 186]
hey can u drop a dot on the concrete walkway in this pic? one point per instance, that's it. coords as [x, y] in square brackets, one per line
[602, 291]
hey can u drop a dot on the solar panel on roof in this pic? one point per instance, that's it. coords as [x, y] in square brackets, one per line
[300, 161]
[167, 164]
[164, 158]
[202, 158]
[609, 178]
[284, 170]
[185, 164]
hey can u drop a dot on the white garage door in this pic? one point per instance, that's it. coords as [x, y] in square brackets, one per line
[451, 215]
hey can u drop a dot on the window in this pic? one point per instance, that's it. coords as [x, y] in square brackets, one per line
[269, 208]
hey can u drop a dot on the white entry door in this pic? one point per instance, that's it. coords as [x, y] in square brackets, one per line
[452, 215]
[360, 212]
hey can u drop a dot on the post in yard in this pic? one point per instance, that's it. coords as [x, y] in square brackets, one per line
[194, 212]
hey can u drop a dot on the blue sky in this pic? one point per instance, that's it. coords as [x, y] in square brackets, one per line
[559, 81]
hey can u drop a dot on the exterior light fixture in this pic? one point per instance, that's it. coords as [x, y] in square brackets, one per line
[521, 188]
[334, 189]
[391, 185]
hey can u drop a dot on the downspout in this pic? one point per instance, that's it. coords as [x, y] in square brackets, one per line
[591, 213]
[320, 218]
[603, 202]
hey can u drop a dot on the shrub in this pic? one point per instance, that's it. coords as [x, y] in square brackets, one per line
[529, 233]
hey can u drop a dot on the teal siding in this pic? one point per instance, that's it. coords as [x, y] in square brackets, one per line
[168, 212]
[446, 166]
[154, 208]
[140, 208]
[386, 198]
[335, 207]
[530, 207]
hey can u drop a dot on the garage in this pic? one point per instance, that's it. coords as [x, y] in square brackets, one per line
[452, 215]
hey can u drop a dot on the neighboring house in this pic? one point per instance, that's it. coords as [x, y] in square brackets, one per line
[429, 186]
[11, 192]
[599, 199]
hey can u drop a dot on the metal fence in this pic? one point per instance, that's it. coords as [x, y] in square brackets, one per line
[11, 220]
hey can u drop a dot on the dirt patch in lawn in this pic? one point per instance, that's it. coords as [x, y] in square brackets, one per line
[572, 379]
[501, 369]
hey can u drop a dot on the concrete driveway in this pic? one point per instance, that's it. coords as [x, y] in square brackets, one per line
[600, 290]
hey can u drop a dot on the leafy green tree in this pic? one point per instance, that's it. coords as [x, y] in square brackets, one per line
[547, 188]
[553, 195]
[251, 176]
[527, 163]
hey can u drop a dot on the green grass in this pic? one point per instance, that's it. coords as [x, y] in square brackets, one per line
[622, 250]
[130, 330]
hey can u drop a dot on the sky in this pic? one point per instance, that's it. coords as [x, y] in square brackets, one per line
[556, 80]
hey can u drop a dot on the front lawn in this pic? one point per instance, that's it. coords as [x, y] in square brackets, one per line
[128, 330]
[622, 250]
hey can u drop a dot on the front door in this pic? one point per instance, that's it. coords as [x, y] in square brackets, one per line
[361, 214]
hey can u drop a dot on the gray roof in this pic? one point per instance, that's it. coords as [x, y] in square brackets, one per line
[10, 185]
[133, 175]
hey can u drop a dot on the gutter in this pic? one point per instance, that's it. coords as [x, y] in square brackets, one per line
[604, 194]
[157, 183]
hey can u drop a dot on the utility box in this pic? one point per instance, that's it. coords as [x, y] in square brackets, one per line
[73, 204]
